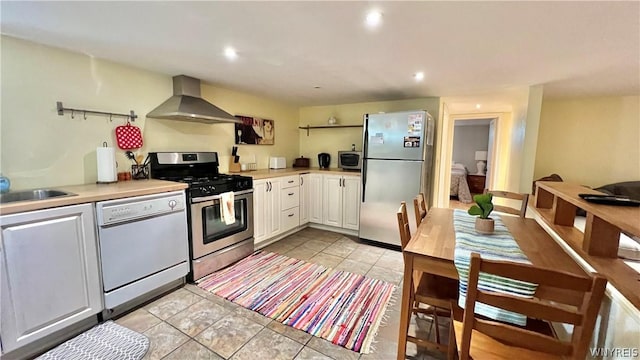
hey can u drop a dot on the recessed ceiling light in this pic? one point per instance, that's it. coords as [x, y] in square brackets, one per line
[418, 76]
[230, 53]
[478, 106]
[374, 18]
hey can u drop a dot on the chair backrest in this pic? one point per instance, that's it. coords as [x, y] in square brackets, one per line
[524, 198]
[582, 316]
[420, 208]
[403, 224]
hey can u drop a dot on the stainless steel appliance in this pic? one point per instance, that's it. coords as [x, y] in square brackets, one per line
[324, 160]
[397, 156]
[212, 243]
[350, 160]
[186, 104]
[143, 244]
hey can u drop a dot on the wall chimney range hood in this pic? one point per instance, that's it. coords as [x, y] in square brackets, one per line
[186, 104]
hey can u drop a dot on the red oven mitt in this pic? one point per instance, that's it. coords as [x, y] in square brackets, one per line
[128, 137]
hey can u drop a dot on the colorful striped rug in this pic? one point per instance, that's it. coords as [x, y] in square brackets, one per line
[338, 306]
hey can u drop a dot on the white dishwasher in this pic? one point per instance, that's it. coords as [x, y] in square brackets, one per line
[143, 244]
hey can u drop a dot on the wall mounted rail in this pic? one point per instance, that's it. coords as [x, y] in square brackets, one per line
[61, 110]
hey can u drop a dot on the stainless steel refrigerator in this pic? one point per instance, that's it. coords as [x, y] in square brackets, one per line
[397, 156]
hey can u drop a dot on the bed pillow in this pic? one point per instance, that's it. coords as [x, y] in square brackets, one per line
[458, 166]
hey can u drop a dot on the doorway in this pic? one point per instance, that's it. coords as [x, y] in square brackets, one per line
[472, 158]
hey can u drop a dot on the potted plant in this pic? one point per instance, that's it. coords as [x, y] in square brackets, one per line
[483, 208]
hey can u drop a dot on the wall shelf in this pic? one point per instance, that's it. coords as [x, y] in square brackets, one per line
[556, 204]
[308, 127]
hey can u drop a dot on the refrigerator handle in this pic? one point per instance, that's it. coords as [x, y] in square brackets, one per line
[365, 135]
[364, 177]
[365, 145]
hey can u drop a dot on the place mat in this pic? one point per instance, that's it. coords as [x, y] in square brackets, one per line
[107, 341]
[497, 246]
[338, 306]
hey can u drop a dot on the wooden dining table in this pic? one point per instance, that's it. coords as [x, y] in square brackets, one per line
[431, 248]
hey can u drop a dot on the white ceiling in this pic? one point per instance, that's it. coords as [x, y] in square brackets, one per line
[287, 48]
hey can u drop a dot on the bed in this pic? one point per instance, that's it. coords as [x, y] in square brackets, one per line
[459, 185]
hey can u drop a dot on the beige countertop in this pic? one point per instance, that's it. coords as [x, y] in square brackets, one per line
[95, 192]
[270, 173]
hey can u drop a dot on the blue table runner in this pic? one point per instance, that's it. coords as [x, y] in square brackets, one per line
[497, 246]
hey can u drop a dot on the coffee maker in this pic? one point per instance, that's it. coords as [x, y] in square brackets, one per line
[324, 160]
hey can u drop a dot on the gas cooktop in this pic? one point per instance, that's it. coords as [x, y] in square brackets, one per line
[214, 185]
[199, 170]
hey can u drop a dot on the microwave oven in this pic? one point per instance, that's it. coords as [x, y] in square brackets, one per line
[350, 160]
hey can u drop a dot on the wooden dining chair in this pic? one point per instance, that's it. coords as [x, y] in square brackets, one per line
[480, 338]
[524, 198]
[436, 292]
[420, 208]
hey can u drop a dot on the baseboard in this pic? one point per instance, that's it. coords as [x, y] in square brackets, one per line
[283, 235]
[334, 229]
[278, 237]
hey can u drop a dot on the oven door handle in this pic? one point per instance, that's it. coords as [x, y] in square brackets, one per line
[217, 197]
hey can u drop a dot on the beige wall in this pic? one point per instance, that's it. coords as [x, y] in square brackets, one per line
[39, 148]
[175, 135]
[590, 141]
[333, 140]
[531, 133]
[467, 139]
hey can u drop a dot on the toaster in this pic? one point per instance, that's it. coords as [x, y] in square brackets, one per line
[277, 162]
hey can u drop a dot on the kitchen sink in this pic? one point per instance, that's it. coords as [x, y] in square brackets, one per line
[32, 195]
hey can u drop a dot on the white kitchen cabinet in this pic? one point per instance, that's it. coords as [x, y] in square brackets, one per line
[315, 198]
[351, 197]
[290, 204]
[259, 210]
[50, 276]
[304, 198]
[341, 201]
[267, 209]
[332, 200]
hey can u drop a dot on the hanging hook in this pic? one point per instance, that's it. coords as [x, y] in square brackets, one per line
[84, 113]
[72, 114]
[110, 119]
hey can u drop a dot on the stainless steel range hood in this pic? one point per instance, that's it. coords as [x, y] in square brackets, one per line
[187, 105]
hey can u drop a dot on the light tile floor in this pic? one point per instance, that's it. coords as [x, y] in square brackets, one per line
[192, 324]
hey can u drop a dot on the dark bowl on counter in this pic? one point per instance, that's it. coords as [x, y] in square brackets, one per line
[301, 162]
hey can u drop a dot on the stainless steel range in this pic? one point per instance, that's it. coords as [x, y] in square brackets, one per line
[214, 243]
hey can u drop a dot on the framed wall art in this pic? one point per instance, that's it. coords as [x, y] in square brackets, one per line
[255, 131]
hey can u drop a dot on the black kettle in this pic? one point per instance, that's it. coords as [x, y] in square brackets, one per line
[324, 160]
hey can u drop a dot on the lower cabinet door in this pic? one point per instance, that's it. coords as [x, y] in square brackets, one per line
[304, 198]
[275, 207]
[351, 203]
[332, 200]
[49, 273]
[260, 208]
[315, 198]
